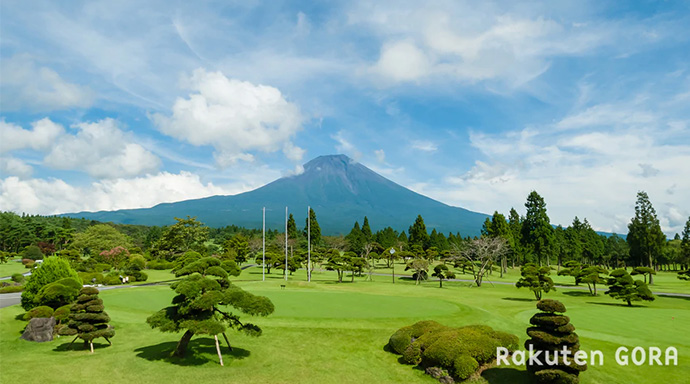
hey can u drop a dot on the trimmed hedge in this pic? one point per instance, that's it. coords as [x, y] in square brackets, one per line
[459, 351]
[41, 311]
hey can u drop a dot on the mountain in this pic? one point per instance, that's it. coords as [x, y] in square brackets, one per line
[340, 190]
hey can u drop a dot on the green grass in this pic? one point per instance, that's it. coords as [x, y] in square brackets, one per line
[11, 267]
[324, 332]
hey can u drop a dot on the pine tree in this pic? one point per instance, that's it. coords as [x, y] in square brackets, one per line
[645, 237]
[312, 223]
[418, 234]
[291, 227]
[366, 231]
[623, 287]
[537, 233]
[87, 319]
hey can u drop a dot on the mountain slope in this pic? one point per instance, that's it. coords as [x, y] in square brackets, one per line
[337, 188]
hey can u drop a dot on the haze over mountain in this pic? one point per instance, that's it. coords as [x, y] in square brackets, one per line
[340, 190]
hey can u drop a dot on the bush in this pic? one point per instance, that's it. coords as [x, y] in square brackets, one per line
[42, 311]
[159, 264]
[29, 265]
[58, 293]
[460, 351]
[62, 314]
[12, 289]
[18, 278]
[52, 269]
[32, 252]
[548, 305]
[136, 260]
[112, 280]
[101, 267]
[92, 277]
[87, 319]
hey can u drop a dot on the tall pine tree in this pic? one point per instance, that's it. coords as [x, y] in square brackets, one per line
[645, 238]
[537, 233]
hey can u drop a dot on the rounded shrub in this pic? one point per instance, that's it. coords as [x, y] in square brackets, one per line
[18, 278]
[112, 280]
[412, 354]
[87, 320]
[400, 340]
[36, 312]
[464, 366]
[62, 314]
[549, 305]
[58, 293]
[52, 269]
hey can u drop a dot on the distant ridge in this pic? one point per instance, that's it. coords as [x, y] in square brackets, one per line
[340, 190]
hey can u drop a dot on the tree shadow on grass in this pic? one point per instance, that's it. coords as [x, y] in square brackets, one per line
[506, 375]
[578, 293]
[79, 346]
[674, 297]
[518, 299]
[198, 352]
[618, 305]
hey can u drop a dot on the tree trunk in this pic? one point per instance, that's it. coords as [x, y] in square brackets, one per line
[220, 356]
[629, 303]
[181, 348]
[440, 283]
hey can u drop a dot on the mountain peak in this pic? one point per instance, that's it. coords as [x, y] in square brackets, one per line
[328, 162]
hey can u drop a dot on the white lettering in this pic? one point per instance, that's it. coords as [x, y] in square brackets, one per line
[671, 354]
[502, 354]
[622, 359]
[638, 356]
[519, 358]
[565, 353]
[595, 354]
[580, 357]
[654, 355]
[554, 360]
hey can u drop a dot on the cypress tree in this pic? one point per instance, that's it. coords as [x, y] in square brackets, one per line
[87, 319]
[644, 234]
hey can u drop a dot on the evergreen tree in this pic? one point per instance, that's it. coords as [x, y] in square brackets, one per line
[418, 234]
[536, 279]
[51, 270]
[87, 319]
[367, 236]
[315, 235]
[685, 245]
[201, 301]
[515, 225]
[645, 238]
[355, 239]
[623, 287]
[537, 233]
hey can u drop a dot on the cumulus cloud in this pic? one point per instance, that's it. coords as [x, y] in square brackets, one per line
[40, 137]
[12, 166]
[51, 196]
[102, 150]
[345, 146]
[235, 117]
[424, 145]
[594, 171]
[24, 85]
[380, 155]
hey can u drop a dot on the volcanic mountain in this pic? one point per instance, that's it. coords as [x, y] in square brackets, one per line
[340, 190]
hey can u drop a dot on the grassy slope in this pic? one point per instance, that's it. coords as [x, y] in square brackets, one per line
[12, 267]
[334, 333]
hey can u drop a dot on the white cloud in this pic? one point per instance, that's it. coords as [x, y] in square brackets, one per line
[235, 117]
[293, 152]
[593, 172]
[42, 135]
[23, 85]
[102, 150]
[424, 145]
[402, 61]
[51, 196]
[345, 146]
[14, 167]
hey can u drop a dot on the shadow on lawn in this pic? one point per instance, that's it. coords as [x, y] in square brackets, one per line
[578, 293]
[624, 305]
[199, 351]
[518, 299]
[506, 375]
[79, 345]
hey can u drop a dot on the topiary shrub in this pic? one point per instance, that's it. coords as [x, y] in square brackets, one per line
[112, 280]
[87, 320]
[459, 351]
[52, 269]
[62, 314]
[552, 332]
[159, 264]
[42, 311]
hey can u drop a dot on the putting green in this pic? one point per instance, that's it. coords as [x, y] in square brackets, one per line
[353, 305]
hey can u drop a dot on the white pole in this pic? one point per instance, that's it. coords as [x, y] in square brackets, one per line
[286, 243]
[263, 246]
[308, 244]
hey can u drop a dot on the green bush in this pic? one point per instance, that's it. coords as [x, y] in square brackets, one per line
[112, 280]
[101, 267]
[58, 293]
[548, 305]
[32, 252]
[18, 278]
[400, 340]
[52, 269]
[42, 311]
[62, 314]
[88, 277]
[136, 260]
[12, 289]
[87, 319]
[464, 366]
[160, 264]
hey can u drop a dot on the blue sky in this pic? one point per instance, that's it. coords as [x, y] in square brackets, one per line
[109, 105]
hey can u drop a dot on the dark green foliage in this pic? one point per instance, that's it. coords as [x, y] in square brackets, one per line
[552, 332]
[684, 275]
[537, 234]
[32, 252]
[198, 307]
[87, 320]
[40, 311]
[592, 277]
[623, 287]
[62, 314]
[58, 293]
[460, 351]
[536, 279]
[441, 272]
[645, 238]
[572, 268]
[160, 264]
[548, 305]
[18, 278]
[418, 234]
[644, 271]
[52, 269]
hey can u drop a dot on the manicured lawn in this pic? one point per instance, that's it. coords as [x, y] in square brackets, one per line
[324, 332]
[11, 267]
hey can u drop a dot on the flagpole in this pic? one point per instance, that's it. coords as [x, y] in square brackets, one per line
[263, 246]
[308, 243]
[286, 243]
